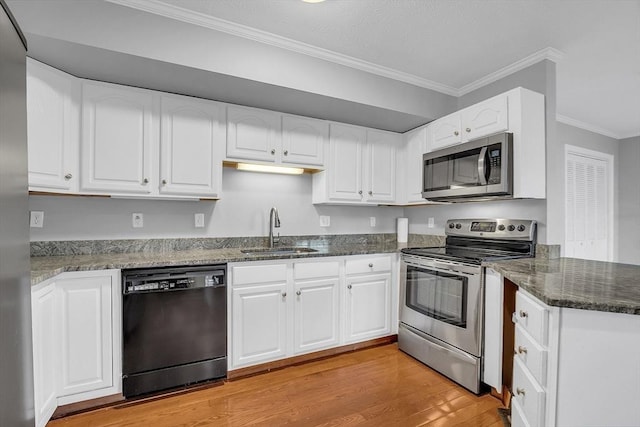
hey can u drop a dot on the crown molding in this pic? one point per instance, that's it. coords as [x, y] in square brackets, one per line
[588, 126]
[232, 28]
[549, 53]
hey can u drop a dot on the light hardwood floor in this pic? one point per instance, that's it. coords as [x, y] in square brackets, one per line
[379, 386]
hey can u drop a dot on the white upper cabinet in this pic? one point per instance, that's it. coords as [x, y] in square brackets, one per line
[380, 166]
[485, 118]
[191, 146]
[252, 134]
[481, 119]
[345, 163]
[117, 139]
[361, 168]
[415, 147]
[304, 140]
[271, 137]
[53, 117]
[444, 132]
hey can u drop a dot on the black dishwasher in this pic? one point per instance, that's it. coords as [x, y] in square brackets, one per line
[174, 327]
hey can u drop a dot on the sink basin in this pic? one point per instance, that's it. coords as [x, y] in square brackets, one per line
[278, 251]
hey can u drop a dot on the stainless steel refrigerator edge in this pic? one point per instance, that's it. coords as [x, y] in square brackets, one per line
[16, 366]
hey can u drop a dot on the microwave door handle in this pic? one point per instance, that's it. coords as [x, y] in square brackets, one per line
[482, 166]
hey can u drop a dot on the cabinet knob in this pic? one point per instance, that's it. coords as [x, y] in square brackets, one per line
[370, 193]
[456, 133]
[284, 294]
[520, 391]
[360, 192]
[349, 286]
[371, 265]
[522, 349]
[68, 176]
[468, 130]
[145, 181]
[523, 313]
[286, 152]
[273, 151]
[164, 182]
[298, 293]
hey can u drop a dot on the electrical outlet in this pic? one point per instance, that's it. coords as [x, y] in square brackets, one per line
[325, 220]
[430, 222]
[36, 219]
[372, 221]
[137, 220]
[199, 220]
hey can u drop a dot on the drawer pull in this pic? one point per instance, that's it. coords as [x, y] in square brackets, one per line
[524, 313]
[522, 349]
[68, 176]
[520, 391]
[371, 265]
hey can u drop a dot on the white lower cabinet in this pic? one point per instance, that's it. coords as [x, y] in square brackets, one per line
[283, 309]
[43, 309]
[259, 323]
[77, 339]
[574, 367]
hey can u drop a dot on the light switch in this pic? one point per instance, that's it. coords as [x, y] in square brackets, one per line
[430, 222]
[199, 220]
[325, 220]
[36, 219]
[372, 221]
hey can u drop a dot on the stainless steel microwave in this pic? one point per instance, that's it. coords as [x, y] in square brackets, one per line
[478, 169]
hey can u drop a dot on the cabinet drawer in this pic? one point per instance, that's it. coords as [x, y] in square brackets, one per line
[531, 354]
[255, 274]
[313, 270]
[528, 393]
[532, 317]
[368, 265]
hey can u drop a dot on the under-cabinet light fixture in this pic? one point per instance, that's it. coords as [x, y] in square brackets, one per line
[313, 1]
[250, 167]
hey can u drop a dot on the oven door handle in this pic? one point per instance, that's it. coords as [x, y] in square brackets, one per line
[456, 268]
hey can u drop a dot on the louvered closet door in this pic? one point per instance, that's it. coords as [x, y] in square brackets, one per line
[588, 213]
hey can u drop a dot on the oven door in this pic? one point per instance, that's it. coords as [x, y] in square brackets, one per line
[444, 300]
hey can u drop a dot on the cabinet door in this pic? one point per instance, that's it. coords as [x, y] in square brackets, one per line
[53, 118]
[117, 139]
[485, 118]
[45, 344]
[252, 134]
[380, 167]
[444, 132]
[367, 307]
[304, 140]
[259, 324]
[84, 325]
[416, 146]
[191, 142]
[316, 315]
[345, 163]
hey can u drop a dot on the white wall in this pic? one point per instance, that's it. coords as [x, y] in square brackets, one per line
[570, 135]
[629, 200]
[242, 211]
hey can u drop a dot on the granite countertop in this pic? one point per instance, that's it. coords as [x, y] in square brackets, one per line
[576, 283]
[45, 267]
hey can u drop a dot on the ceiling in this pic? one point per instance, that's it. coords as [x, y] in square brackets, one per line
[455, 45]
[449, 46]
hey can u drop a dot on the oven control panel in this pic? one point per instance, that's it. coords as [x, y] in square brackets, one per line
[496, 228]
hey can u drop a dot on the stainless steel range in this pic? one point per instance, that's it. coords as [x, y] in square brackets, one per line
[442, 293]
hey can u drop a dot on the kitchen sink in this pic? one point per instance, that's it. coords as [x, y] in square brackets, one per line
[278, 251]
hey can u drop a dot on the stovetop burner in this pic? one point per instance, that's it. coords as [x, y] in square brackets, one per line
[475, 241]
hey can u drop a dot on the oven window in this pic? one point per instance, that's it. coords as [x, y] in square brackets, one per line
[442, 296]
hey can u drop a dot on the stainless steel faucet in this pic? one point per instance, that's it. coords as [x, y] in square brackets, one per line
[274, 221]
